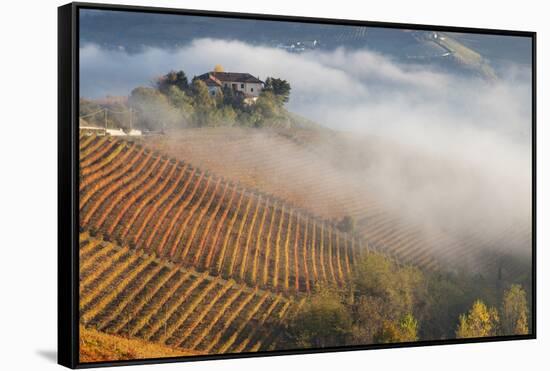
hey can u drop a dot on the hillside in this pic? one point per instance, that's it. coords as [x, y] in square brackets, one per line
[172, 310]
[318, 171]
[211, 240]
[480, 54]
[99, 346]
[195, 218]
[182, 260]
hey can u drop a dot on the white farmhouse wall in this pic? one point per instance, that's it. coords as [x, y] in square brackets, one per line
[253, 89]
[116, 132]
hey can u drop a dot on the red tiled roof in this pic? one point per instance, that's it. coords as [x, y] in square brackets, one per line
[230, 77]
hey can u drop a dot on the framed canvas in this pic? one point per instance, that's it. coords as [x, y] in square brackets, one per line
[240, 185]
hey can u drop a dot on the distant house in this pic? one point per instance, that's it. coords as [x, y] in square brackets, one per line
[135, 132]
[87, 129]
[243, 83]
[91, 130]
[116, 132]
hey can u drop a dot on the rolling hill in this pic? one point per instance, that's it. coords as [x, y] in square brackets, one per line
[207, 242]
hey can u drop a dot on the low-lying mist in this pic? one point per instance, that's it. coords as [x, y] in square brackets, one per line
[444, 151]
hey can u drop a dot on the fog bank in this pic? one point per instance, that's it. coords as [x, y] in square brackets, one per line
[444, 151]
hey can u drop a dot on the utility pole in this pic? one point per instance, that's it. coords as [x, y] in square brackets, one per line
[130, 120]
[105, 117]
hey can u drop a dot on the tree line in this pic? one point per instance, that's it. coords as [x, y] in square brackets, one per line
[390, 303]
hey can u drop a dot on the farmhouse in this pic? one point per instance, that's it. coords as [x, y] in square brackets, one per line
[243, 83]
[89, 129]
[101, 131]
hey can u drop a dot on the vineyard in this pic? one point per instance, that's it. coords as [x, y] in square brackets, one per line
[174, 255]
[196, 219]
[305, 182]
[132, 294]
[290, 165]
[196, 247]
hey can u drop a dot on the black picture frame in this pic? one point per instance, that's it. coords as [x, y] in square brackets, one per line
[68, 178]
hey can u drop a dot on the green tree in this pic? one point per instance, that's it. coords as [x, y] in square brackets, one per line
[228, 115]
[324, 321]
[266, 105]
[249, 118]
[403, 331]
[201, 96]
[386, 294]
[445, 297]
[178, 98]
[180, 101]
[514, 312]
[278, 87]
[153, 110]
[369, 315]
[232, 98]
[203, 103]
[399, 287]
[480, 321]
[173, 78]
[347, 224]
[409, 328]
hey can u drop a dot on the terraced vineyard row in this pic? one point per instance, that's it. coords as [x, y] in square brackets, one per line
[317, 188]
[291, 164]
[134, 294]
[196, 219]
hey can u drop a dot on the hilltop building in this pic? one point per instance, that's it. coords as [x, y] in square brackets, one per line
[88, 129]
[241, 83]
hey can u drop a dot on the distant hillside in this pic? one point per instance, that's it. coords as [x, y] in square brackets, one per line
[125, 31]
